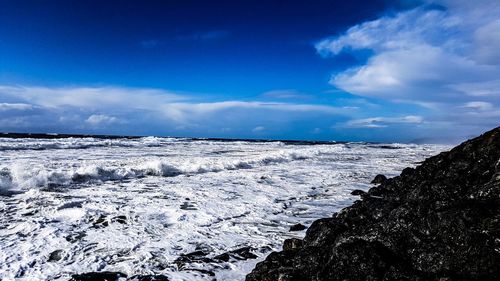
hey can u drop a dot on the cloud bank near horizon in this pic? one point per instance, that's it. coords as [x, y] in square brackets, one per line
[100, 109]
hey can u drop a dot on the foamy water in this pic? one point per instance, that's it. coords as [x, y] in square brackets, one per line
[136, 206]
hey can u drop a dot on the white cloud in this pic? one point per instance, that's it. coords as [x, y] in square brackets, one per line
[479, 105]
[285, 94]
[112, 107]
[218, 106]
[316, 131]
[177, 107]
[258, 129]
[418, 54]
[438, 59]
[487, 38]
[14, 122]
[382, 122]
[98, 119]
[487, 88]
[91, 97]
[190, 112]
[15, 106]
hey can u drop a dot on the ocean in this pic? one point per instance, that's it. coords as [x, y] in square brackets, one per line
[172, 206]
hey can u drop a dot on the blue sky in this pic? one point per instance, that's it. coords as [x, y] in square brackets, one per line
[396, 71]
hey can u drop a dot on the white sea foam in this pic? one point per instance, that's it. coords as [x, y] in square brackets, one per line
[135, 206]
[81, 143]
[24, 175]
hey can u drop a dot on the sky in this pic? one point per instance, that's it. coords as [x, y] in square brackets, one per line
[379, 70]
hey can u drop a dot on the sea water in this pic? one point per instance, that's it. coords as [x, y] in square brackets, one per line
[136, 206]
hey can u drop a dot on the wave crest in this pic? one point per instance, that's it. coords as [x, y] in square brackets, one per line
[25, 176]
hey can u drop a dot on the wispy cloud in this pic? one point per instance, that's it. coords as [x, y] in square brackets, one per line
[382, 122]
[14, 122]
[285, 94]
[91, 97]
[479, 105]
[258, 129]
[99, 119]
[15, 106]
[218, 106]
[114, 107]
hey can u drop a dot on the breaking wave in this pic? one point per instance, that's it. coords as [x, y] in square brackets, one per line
[81, 143]
[25, 176]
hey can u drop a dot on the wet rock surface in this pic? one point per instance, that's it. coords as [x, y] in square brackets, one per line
[297, 227]
[56, 255]
[439, 221]
[98, 276]
[115, 276]
[379, 179]
[149, 278]
[358, 192]
[201, 256]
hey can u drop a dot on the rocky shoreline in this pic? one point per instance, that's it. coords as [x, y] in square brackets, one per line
[439, 221]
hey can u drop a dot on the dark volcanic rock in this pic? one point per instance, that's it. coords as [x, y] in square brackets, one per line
[193, 257]
[98, 276]
[439, 221]
[292, 244]
[100, 222]
[379, 179]
[114, 276]
[297, 227]
[56, 255]
[244, 253]
[76, 237]
[357, 192]
[148, 278]
[184, 261]
[120, 219]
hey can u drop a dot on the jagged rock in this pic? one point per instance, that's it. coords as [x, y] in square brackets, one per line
[223, 257]
[244, 253]
[114, 276]
[56, 255]
[379, 179]
[238, 254]
[148, 278]
[120, 219]
[297, 227]
[439, 221]
[100, 222]
[201, 256]
[29, 214]
[357, 192]
[75, 237]
[292, 244]
[203, 271]
[193, 257]
[98, 276]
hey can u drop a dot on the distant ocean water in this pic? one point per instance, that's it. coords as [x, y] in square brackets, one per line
[74, 205]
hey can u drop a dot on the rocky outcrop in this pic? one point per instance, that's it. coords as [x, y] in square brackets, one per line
[115, 276]
[379, 179]
[439, 221]
[297, 227]
[184, 262]
[98, 276]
